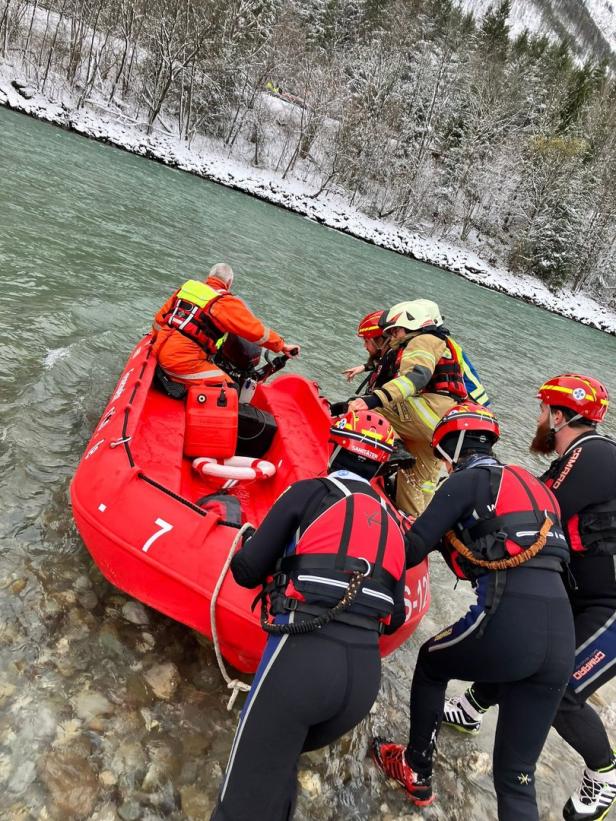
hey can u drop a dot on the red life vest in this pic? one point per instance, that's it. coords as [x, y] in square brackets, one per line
[193, 319]
[522, 503]
[352, 530]
[448, 375]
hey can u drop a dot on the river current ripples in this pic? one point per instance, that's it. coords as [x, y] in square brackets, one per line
[107, 709]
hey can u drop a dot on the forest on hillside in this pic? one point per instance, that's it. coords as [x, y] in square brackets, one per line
[412, 110]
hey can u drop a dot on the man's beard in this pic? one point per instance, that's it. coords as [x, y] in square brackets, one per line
[544, 440]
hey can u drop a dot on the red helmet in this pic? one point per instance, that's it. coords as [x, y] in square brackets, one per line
[582, 394]
[369, 327]
[467, 417]
[364, 433]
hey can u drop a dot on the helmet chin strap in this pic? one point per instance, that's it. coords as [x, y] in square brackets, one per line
[456, 454]
[556, 428]
[453, 460]
[335, 453]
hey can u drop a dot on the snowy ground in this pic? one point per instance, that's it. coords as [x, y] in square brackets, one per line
[208, 159]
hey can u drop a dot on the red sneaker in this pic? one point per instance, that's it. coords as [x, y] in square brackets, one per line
[390, 758]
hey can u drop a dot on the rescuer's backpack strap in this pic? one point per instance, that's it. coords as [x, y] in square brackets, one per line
[503, 527]
[347, 527]
[342, 558]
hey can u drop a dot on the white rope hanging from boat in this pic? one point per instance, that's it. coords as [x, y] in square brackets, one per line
[234, 684]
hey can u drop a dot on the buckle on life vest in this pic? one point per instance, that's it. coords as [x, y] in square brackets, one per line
[291, 604]
[279, 580]
[501, 536]
[368, 569]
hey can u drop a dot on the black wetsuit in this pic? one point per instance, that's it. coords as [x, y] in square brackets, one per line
[309, 689]
[522, 643]
[584, 475]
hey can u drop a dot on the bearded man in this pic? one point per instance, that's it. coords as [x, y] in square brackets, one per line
[583, 479]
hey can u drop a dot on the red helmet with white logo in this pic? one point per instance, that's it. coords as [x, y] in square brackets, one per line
[364, 433]
[465, 418]
[586, 396]
[369, 327]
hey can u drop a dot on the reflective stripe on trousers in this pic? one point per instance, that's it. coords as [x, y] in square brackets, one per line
[209, 374]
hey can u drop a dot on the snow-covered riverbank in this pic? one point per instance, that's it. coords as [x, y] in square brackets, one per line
[207, 158]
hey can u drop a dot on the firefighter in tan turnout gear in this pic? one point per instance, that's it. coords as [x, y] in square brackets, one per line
[424, 380]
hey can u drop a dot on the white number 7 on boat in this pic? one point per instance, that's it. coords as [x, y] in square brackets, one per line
[164, 526]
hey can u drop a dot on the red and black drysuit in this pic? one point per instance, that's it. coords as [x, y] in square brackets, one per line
[583, 480]
[519, 634]
[311, 689]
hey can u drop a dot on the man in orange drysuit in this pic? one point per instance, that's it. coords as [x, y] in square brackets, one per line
[194, 321]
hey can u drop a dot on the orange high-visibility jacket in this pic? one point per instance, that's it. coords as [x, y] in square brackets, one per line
[179, 354]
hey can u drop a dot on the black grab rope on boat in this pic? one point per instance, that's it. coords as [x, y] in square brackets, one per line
[172, 493]
[126, 437]
[184, 501]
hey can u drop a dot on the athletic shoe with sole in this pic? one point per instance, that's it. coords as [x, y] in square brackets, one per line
[390, 759]
[595, 796]
[461, 715]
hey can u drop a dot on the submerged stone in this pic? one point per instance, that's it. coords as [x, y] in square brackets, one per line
[107, 812]
[18, 585]
[7, 689]
[22, 777]
[310, 782]
[72, 783]
[88, 599]
[163, 679]
[135, 613]
[130, 811]
[89, 704]
[196, 804]
[110, 639]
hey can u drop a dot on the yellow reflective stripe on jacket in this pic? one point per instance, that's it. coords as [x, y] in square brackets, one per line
[405, 386]
[422, 351]
[478, 395]
[424, 411]
[197, 292]
[426, 356]
[478, 392]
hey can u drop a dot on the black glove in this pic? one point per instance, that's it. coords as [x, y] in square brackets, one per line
[338, 408]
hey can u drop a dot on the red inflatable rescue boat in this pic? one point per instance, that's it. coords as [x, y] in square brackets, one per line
[158, 497]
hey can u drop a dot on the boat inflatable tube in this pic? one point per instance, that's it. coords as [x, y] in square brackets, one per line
[236, 467]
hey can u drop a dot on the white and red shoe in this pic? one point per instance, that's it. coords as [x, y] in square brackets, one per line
[390, 759]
